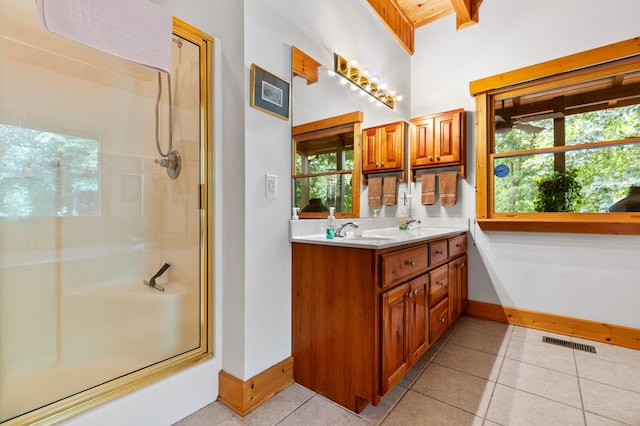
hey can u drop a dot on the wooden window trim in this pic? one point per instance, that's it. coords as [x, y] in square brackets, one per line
[606, 60]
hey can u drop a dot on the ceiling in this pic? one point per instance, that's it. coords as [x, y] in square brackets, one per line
[423, 12]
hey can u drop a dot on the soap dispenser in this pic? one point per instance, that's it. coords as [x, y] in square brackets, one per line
[403, 222]
[331, 224]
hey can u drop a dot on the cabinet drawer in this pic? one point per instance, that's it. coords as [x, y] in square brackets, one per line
[438, 252]
[438, 319]
[404, 264]
[457, 246]
[438, 284]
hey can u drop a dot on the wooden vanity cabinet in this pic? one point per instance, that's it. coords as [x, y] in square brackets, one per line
[438, 140]
[361, 318]
[383, 148]
[404, 329]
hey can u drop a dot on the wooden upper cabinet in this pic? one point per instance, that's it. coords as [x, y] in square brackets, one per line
[383, 148]
[438, 140]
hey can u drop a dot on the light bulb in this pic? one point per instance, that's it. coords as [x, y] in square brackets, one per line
[352, 63]
[399, 98]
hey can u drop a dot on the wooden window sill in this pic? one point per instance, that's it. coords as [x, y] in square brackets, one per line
[584, 223]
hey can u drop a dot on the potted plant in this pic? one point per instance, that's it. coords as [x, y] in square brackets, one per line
[558, 192]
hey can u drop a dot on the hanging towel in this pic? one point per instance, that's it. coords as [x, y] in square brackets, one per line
[448, 188]
[137, 30]
[428, 189]
[390, 191]
[375, 192]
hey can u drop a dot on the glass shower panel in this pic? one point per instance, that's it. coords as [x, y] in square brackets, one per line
[88, 213]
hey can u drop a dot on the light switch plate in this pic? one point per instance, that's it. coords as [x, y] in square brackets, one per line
[271, 186]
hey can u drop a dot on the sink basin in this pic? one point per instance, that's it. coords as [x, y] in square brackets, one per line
[364, 238]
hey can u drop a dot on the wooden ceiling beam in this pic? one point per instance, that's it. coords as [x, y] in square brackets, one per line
[466, 12]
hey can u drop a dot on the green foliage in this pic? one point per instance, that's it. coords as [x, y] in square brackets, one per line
[604, 173]
[558, 193]
[47, 174]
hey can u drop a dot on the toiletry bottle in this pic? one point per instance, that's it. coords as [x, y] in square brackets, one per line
[294, 215]
[403, 221]
[331, 224]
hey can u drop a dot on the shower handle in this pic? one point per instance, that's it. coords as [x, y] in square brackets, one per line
[173, 164]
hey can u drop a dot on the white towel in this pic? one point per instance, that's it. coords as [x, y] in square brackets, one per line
[137, 30]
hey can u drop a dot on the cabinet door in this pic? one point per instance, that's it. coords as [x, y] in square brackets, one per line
[438, 319]
[395, 361]
[447, 137]
[418, 317]
[392, 146]
[457, 287]
[422, 147]
[370, 149]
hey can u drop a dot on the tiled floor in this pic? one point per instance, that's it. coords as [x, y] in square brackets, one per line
[479, 373]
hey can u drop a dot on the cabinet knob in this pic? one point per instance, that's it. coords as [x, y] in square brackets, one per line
[442, 283]
[441, 320]
[439, 252]
[438, 157]
[430, 158]
[410, 262]
[382, 164]
[377, 164]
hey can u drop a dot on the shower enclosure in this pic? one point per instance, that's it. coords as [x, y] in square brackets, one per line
[91, 210]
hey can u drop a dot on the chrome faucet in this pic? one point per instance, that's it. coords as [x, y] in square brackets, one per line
[409, 222]
[340, 229]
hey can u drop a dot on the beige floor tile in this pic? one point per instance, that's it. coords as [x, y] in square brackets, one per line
[375, 414]
[611, 402]
[213, 414]
[613, 353]
[417, 369]
[470, 361]
[524, 333]
[607, 372]
[279, 407]
[419, 410]
[541, 381]
[461, 390]
[513, 407]
[595, 420]
[319, 411]
[534, 351]
[479, 341]
[489, 327]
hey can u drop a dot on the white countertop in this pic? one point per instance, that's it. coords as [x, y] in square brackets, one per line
[379, 238]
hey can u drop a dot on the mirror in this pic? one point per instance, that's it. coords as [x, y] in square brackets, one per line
[333, 157]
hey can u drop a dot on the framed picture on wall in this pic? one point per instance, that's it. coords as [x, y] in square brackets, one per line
[269, 93]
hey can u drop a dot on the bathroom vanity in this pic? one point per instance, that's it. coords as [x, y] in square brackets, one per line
[365, 309]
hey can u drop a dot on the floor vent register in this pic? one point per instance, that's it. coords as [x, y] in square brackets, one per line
[568, 344]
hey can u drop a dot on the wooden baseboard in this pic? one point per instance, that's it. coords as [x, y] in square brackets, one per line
[585, 329]
[244, 397]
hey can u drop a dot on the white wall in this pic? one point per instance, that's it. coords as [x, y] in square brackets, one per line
[592, 277]
[271, 28]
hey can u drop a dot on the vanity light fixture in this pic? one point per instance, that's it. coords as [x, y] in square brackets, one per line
[349, 70]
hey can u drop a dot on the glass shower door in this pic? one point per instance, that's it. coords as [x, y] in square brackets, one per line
[91, 210]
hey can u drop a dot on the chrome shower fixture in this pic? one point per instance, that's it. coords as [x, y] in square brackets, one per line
[173, 163]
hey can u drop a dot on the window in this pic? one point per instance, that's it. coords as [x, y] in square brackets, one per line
[326, 166]
[561, 152]
[48, 174]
